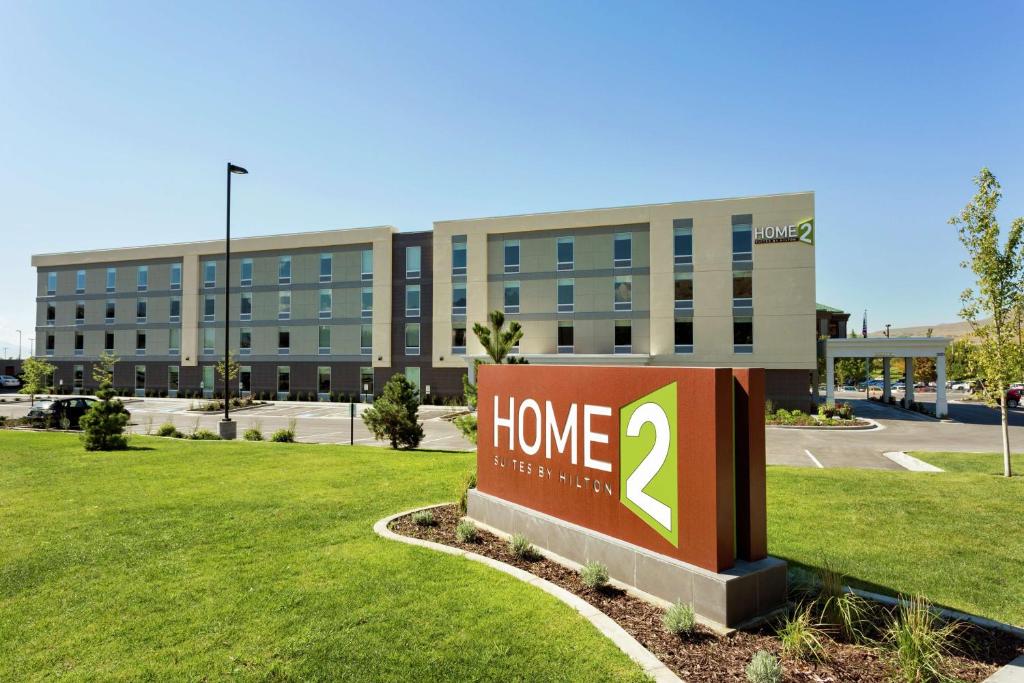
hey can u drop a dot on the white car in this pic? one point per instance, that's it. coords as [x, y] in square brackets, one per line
[961, 386]
[8, 381]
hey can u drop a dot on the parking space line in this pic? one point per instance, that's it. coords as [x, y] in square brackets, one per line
[813, 459]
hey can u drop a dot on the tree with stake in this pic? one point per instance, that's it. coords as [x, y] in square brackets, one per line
[393, 415]
[999, 271]
[228, 372]
[37, 375]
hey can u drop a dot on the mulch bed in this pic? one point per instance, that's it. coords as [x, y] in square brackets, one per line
[706, 656]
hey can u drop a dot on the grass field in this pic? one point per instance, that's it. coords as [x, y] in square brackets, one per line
[957, 537]
[193, 560]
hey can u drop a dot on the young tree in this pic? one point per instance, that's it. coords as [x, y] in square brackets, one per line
[497, 340]
[104, 423]
[960, 359]
[231, 369]
[999, 274]
[103, 369]
[393, 415]
[37, 375]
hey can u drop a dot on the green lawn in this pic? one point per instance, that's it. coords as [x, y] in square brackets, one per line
[201, 560]
[956, 537]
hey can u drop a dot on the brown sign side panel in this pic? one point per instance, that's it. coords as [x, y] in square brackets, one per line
[589, 496]
[751, 504]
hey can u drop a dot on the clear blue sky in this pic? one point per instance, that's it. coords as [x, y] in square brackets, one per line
[116, 121]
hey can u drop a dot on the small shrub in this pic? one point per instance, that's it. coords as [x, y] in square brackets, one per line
[522, 548]
[465, 531]
[764, 668]
[918, 642]
[204, 434]
[679, 619]
[801, 638]
[393, 416]
[769, 407]
[467, 484]
[168, 429]
[424, 518]
[594, 575]
[466, 424]
[252, 434]
[104, 423]
[283, 436]
[846, 612]
[844, 411]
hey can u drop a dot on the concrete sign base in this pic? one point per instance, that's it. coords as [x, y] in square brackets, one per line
[730, 598]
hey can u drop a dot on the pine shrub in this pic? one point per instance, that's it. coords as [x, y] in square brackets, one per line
[104, 423]
[392, 417]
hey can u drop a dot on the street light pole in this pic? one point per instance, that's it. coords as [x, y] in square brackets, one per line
[19, 344]
[227, 427]
[887, 326]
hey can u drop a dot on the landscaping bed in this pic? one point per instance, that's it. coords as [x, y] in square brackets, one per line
[704, 655]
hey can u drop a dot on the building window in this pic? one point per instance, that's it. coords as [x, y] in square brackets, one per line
[459, 298]
[623, 336]
[80, 313]
[111, 279]
[412, 262]
[742, 239]
[324, 340]
[326, 267]
[684, 291]
[175, 314]
[209, 339]
[108, 341]
[209, 308]
[80, 343]
[742, 289]
[623, 293]
[412, 339]
[743, 334]
[684, 336]
[207, 383]
[140, 310]
[511, 256]
[50, 342]
[51, 314]
[209, 274]
[244, 341]
[413, 375]
[51, 283]
[326, 303]
[565, 253]
[366, 261]
[566, 340]
[284, 270]
[323, 382]
[458, 339]
[173, 379]
[174, 341]
[512, 297]
[245, 306]
[412, 301]
[459, 251]
[80, 282]
[77, 378]
[365, 339]
[110, 311]
[175, 276]
[682, 241]
[284, 382]
[142, 278]
[284, 341]
[623, 254]
[140, 379]
[366, 302]
[245, 274]
[140, 342]
[245, 380]
[566, 295]
[284, 305]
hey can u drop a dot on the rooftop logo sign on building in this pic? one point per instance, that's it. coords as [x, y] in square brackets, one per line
[794, 232]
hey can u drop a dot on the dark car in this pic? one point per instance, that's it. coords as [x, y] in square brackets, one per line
[52, 413]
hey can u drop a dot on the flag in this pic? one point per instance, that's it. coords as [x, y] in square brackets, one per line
[864, 329]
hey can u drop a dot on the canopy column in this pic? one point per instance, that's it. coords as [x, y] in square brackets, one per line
[886, 381]
[830, 379]
[941, 409]
[908, 379]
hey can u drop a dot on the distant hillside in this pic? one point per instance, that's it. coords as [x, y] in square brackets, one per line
[954, 330]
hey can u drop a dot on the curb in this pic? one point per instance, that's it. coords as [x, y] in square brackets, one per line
[834, 428]
[651, 665]
[909, 462]
[1011, 673]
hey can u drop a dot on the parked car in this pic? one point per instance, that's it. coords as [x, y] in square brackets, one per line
[848, 387]
[52, 413]
[899, 386]
[1013, 397]
[9, 381]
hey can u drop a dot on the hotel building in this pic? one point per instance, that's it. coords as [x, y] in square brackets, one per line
[333, 314]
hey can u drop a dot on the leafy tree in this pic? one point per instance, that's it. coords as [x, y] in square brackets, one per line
[103, 369]
[999, 273]
[393, 415]
[104, 423]
[960, 359]
[231, 370]
[37, 375]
